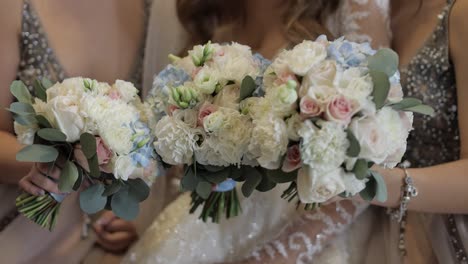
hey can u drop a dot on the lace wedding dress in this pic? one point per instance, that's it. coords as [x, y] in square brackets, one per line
[269, 228]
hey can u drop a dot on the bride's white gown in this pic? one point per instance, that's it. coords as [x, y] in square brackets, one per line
[179, 237]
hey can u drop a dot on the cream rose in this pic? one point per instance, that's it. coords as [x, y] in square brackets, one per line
[123, 167]
[68, 118]
[316, 187]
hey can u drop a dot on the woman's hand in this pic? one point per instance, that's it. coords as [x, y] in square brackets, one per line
[114, 234]
[40, 179]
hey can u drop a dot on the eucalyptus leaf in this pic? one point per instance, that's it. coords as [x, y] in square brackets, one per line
[360, 169]
[25, 120]
[68, 177]
[21, 108]
[37, 153]
[381, 88]
[138, 188]
[125, 205]
[52, 134]
[217, 177]
[381, 192]
[94, 167]
[88, 145]
[40, 91]
[43, 122]
[212, 168]
[46, 83]
[370, 191]
[79, 181]
[265, 185]
[422, 109]
[20, 92]
[112, 188]
[91, 199]
[252, 180]
[247, 88]
[385, 60]
[354, 147]
[406, 103]
[235, 172]
[189, 182]
[279, 176]
[204, 189]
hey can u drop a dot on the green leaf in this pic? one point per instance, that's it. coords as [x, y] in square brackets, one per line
[279, 176]
[88, 145]
[52, 134]
[406, 103]
[40, 91]
[370, 191]
[94, 167]
[212, 168]
[43, 122]
[204, 189]
[354, 146]
[381, 192]
[125, 205]
[189, 182]
[20, 92]
[25, 120]
[252, 180]
[385, 60]
[247, 87]
[68, 177]
[91, 199]
[360, 169]
[235, 172]
[422, 109]
[139, 189]
[217, 177]
[21, 108]
[381, 88]
[37, 153]
[79, 181]
[112, 188]
[265, 185]
[46, 83]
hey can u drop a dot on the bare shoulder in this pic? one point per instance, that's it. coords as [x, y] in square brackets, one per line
[459, 21]
[10, 16]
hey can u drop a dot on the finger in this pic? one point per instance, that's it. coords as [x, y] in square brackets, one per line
[30, 188]
[118, 237]
[103, 221]
[44, 183]
[120, 225]
[112, 247]
[47, 170]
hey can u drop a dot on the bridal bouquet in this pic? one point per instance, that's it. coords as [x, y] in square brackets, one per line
[331, 110]
[96, 134]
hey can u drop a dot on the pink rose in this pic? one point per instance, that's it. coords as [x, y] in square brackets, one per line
[205, 110]
[104, 155]
[309, 107]
[340, 109]
[171, 109]
[284, 77]
[114, 94]
[293, 159]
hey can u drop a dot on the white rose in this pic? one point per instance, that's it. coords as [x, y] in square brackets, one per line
[322, 94]
[294, 123]
[127, 90]
[354, 85]
[67, 116]
[228, 97]
[322, 74]
[174, 141]
[124, 167]
[269, 142]
[70, 86]
[304, 56]
[382, 136]
[25, 134]
[214, 122]
[190, 117]
[316, 187]
[206, 80]
[352, 184]
[323, 149]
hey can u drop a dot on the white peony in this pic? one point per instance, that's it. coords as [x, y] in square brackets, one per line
[269, 141]
[304, 56]
[25, 134]
[70, 86]
[174, 141]
[206, 80]
[353, 84]
[323, 149]
[294, 123]
[228, 97]
[235, 63]
[127, 90]
[255, 107]
[322, 74]
[67, 116]
[124, 167]
[382, 136]
[319, 187]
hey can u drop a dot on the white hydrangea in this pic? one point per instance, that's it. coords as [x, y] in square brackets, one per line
[323, 149]
[127, 90]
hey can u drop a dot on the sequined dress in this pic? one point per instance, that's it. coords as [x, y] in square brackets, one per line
[22, 241]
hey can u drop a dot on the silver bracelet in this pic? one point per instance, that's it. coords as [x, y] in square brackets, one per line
[408, 191]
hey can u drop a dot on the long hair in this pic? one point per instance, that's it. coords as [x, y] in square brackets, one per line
[302, 19]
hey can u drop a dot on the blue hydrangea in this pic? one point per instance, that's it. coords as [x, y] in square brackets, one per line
[349, 54]
[264, 64]
[171, 76]
[225, 186]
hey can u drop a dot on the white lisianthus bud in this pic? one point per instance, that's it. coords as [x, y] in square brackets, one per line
[214, 122]
[206, 80]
